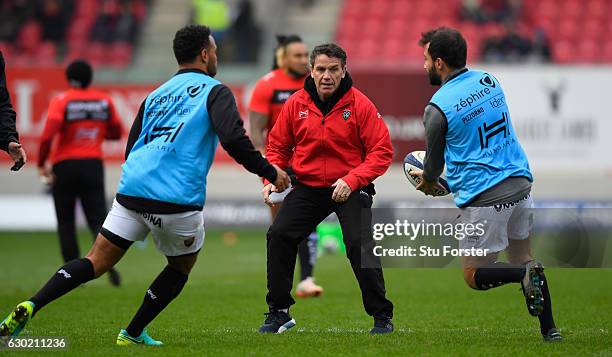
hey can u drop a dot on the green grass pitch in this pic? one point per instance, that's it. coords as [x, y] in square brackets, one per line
[223, 303]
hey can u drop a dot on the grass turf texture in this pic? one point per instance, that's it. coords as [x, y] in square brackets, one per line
[222, 305]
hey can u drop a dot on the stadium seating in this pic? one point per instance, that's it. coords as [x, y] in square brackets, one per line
[387, 31]
[29, 47]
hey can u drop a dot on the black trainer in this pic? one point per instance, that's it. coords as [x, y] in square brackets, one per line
[381, 326]
[531, 284]
[553, 335]
[277, 322]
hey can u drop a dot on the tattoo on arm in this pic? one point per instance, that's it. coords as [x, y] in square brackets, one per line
[258, 124]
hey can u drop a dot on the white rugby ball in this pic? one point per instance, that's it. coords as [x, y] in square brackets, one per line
[414, 161]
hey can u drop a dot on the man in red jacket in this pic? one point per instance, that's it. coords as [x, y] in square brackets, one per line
[339, 144]
[81, 118]
[288, 73]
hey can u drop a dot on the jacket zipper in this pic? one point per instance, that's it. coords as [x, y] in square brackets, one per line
[323, 150]
[323, 142]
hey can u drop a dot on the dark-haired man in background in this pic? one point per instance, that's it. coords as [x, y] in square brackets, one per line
[289, 70]
[468, 128]
[338, 144]
[9, 139]
[162, 190]
[81, 118]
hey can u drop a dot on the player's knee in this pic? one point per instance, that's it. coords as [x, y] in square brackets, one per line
[468, 276]
[100, 265]
[183, 264]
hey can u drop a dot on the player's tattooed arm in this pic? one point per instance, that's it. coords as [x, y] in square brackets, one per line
[258, 123]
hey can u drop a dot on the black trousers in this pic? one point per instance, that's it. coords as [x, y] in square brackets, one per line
[302, 210]
[82, 179]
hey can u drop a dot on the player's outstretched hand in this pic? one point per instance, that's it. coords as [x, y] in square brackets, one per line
[282, 179]
[427, 187]
[17, 154]
[341, 191]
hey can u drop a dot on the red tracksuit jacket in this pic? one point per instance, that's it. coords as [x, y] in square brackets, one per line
[351, 142]
[83, 118]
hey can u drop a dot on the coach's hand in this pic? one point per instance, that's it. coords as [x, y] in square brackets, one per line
[427, 187]
[17, 154]
[341, 191]
[282, 180]
[269, 188]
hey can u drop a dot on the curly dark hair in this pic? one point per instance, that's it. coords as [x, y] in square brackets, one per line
[282, 42]
[446, 43]
[331, 50]
[189, 42]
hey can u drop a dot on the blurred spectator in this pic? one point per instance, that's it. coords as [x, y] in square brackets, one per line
[541, 46]
[54, 17]
[212, 13]
[512, 46]
[127, 23]
[103, 29]
[245, 34]
[13, 14]
[117, 22]
[481, 11]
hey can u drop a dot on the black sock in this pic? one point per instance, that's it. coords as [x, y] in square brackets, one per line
[546, 318]
[305, 261]
[68, 277]
[162, 291]
[497, 274]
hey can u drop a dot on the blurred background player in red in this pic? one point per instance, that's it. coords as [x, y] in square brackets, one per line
[82, 118]
[289, 70]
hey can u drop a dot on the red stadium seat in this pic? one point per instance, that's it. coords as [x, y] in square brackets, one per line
[592, 29]
[572, 26]
[588, 52]
[564, 52]
[46, 53]
[30, 37]
[96, 54]
[597, 9]
[567, 30]
[572, 9]
[121, 54]
[606, 52]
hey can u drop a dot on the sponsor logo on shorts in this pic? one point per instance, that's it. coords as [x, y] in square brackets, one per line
[189, 241]
[154, 220]
[151, 295]
[505, 206]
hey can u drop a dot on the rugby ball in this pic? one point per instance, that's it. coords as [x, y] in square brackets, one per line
[414, 161]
